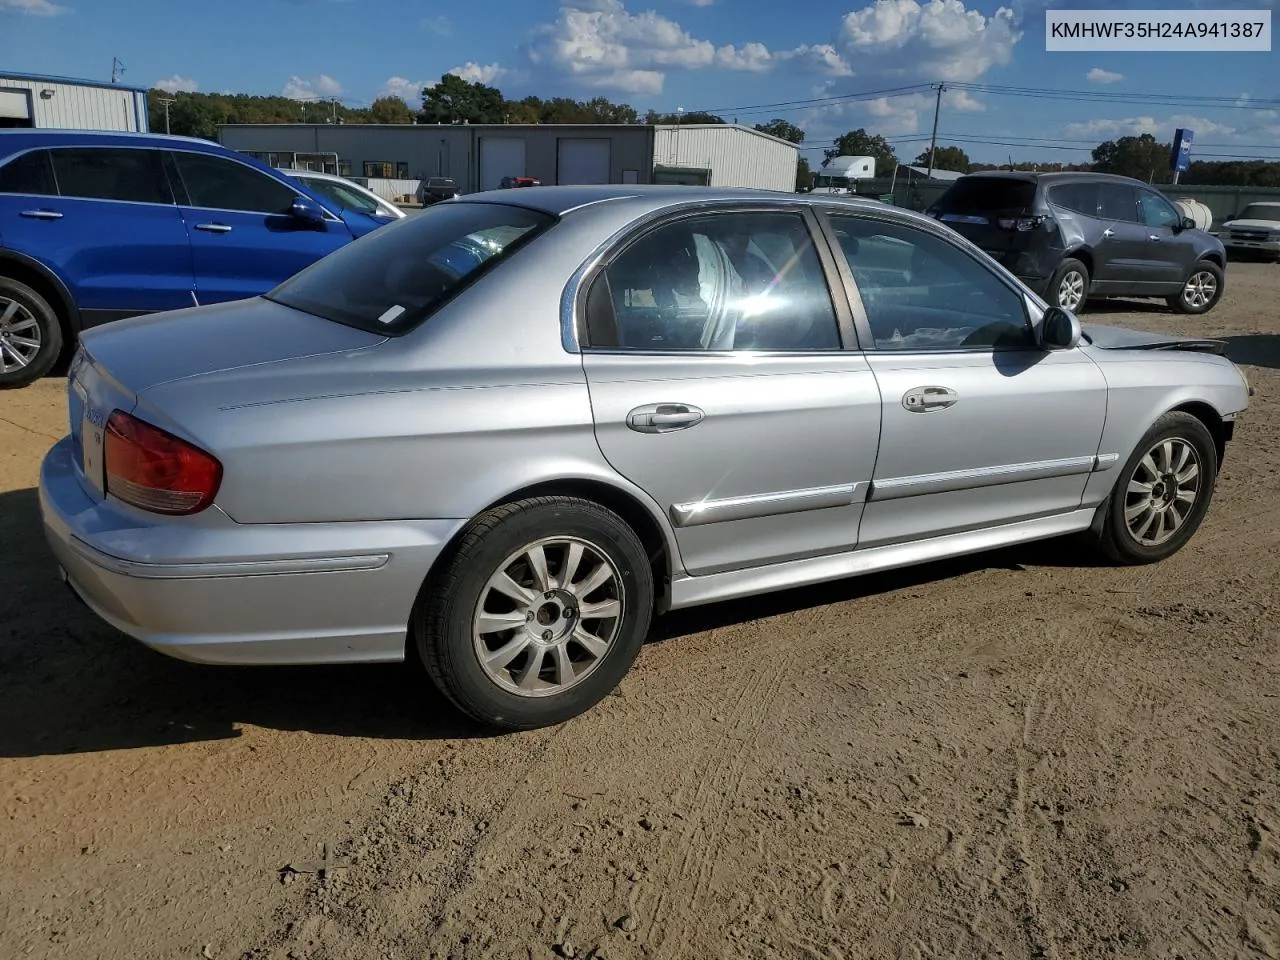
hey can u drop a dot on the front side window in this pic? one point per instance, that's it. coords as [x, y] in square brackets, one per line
[342, 195]
[922, 293]
[1156, 210]
[103, 173]
[217, 183]
[390, 280]
[724, 281]
[1117, 201]
[30, 173]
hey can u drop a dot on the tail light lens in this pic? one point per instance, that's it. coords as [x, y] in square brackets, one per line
[1021, 224]
[154, 470]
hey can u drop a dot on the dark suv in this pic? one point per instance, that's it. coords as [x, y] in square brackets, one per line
[1073, 236]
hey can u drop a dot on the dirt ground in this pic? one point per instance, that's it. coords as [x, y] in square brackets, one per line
[1020, 755]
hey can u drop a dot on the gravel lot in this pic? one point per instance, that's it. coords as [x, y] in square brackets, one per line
[1021, 755]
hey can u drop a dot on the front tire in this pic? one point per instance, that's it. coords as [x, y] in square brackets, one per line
[1163, 491]
[538, 613]
[30, 335]
[1202, 289]
[1069, 286]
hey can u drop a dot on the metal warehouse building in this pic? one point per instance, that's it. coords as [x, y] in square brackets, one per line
[27, 100]
[478, 156]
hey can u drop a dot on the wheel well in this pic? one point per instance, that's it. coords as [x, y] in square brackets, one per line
[1215, 259]
[1084, 256]
[1220, 429]
[41, 284]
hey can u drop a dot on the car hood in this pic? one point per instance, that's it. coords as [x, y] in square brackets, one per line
[144, 352]
[1118, 338]
[1251, 225]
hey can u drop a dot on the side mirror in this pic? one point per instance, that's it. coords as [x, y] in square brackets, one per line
[1059, 329]
[306, 210]
[1188, 223]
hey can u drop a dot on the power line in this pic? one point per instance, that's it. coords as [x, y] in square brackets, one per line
[1106, 96]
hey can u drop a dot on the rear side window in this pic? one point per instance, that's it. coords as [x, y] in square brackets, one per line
[217, 183]
[1079, 197]
[100, 173]
[390, 280]
[1117, 201]
[987, 195]
[29, 173]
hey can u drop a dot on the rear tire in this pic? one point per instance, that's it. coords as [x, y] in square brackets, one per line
[30, 335]
[1202, 289]
[538, 613]
[1069, 286]
[1163, 492]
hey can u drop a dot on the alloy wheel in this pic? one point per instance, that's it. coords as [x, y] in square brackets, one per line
[1162, 492]
[20, 336]
[1071, 290]
[1200, 289]
[548, 617]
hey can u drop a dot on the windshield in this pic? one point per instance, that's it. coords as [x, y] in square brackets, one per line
[1261, 211]
[986, 195]
[343, 195]
[390, 280]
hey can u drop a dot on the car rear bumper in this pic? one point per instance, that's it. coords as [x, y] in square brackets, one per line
[213, 591]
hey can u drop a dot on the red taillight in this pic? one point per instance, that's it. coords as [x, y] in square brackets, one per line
[154, 470]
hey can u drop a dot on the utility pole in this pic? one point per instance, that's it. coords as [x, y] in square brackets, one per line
[117, 68]
[165, 101]
[334, 103]
[933, 142]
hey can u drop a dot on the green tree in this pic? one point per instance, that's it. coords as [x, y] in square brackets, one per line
[390, 110]
[804, 176]
[945, 158]
[1144, 158]
[454, 100]
[670, 119]
[859, 143]
[783, 130]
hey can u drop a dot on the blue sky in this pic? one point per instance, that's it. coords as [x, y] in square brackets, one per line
[730, 56]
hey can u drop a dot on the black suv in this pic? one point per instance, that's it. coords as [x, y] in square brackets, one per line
[1073, 236]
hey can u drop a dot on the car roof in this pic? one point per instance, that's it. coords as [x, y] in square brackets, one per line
[559, 200]
[1048, 177]
[13, 139]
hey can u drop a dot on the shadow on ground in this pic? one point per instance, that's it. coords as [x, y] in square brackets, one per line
[1257, 349]
[71, 684]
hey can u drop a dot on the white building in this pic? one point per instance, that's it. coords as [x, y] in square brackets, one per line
[27, 100]
[724, 155]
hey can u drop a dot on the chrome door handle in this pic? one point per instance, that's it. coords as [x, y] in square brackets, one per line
[214, 227]
[924, 399]
[1153, 236]
[41, 214]
[1108, 233]
[664, 417]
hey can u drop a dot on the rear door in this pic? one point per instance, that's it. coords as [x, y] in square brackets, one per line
[1119, 240]
[244, 241]
[720, 385]
[103, 219]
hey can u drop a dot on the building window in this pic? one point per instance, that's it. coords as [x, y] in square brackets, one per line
[344, 168]
[630, 176]
[377, 168]
[402, 170]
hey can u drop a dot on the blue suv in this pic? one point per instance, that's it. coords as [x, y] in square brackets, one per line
[95, 227]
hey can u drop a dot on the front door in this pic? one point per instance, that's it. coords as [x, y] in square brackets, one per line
[980, 426]
[243, 239]
[719, 385]
[1171, 252]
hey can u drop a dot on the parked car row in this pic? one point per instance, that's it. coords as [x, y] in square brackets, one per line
[96, 227]
[501, 436]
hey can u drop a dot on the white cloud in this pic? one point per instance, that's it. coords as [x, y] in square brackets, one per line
[36, 8]
[407, 90]
[479, 73]
[938, 39]
[177, 84]
[1098, 75]
[1162, 129]
[820, 57]
[752, 57]
[700, 3]
[301, 89]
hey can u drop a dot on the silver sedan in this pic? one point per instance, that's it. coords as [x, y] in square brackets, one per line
[500, 436]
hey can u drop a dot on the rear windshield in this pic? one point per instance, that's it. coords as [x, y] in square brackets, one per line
[1260, 211]
[986, 195]
[390, 280]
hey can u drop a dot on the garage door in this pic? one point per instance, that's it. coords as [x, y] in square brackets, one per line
[582, 161]
[15, 105]
[500, 157]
